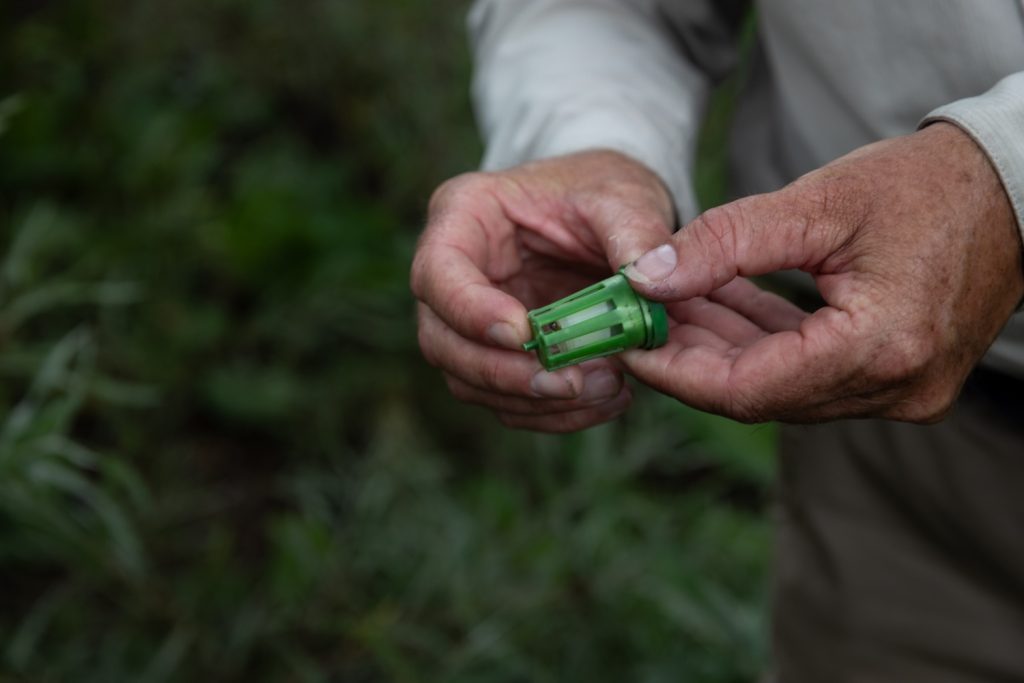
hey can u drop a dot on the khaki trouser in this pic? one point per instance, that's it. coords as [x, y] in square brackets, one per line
[900, 552]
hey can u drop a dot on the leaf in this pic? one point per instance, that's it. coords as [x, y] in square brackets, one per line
[21, 648]
[59, 294]
[123, 539]
[55, 373]
[167, 660]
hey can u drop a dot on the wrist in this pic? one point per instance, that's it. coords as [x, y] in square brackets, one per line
[974, 170]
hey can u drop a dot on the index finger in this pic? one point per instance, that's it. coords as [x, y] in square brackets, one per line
[467, 242]
[453, 286]
[785, 374]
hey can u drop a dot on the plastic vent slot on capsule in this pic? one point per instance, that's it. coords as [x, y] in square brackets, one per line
[606, 318]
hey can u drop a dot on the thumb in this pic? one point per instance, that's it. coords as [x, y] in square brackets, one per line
[752, 236]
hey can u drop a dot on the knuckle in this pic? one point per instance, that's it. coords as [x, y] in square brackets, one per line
[716, 231]
[426, 342]
[457, 388]
[464, 314]
[419, 273]
[513, 421]
[492, 373]
[628, 199]
[615, 191]
[530, 423]
[572, 422]
[460, 193]
[604, 203]
[561, 424]
[454, 188]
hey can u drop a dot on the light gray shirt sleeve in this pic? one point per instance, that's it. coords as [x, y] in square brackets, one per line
[995, 120]
[559, 76]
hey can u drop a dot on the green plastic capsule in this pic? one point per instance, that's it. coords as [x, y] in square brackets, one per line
[601, 320]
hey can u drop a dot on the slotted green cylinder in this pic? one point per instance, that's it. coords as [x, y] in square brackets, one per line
[603, 319]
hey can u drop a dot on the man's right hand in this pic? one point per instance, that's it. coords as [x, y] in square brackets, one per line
[498, 244]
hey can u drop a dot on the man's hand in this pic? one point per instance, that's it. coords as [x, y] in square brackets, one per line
[913, 246]
[497, 244]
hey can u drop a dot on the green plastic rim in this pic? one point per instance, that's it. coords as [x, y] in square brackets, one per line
[658, 324]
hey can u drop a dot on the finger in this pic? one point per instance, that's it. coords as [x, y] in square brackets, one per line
[572, 421]
[765, 309]
[453, 285]
[774, 377]
[467, 246]
[513, 373]
[599, 387]
[752, 236]
[693, 335]
[723, 321]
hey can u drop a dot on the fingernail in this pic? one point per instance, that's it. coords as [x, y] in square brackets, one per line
[552, 385]
[504, 334]
[655, 265]
[599, 385]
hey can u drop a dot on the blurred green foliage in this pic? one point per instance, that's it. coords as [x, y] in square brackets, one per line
[221, 457]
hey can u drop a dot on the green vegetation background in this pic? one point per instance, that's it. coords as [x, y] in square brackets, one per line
[221, 456]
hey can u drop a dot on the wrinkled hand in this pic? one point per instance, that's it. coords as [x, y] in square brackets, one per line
[913, 246]
[497, 244]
